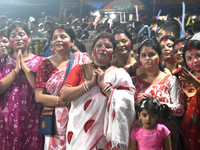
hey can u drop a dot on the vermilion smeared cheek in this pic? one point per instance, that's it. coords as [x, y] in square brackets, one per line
[25, 39]
[190, 65]
[1, 37]
[156, 60]
[141, 63]
[95, 52]
[129, 46]
[12, 43]
[66, 45]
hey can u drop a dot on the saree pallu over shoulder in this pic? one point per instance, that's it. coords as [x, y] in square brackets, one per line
[120, 111]
[91, 121]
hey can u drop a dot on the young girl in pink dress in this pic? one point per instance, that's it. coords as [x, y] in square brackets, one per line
[151, 135]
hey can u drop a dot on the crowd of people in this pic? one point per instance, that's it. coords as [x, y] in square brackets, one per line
[111, 87]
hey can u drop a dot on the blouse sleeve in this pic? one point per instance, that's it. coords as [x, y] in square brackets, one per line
[74, 77]
[42, 75]
[132, 136]
[176, 97]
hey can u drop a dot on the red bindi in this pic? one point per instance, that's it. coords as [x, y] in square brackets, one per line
[60, 30]
[16, 30]
[118, 33]
[165, 39]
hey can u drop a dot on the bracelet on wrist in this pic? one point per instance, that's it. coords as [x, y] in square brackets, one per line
[29, 70]
[85, 86]
[106, 88]
[15, 72]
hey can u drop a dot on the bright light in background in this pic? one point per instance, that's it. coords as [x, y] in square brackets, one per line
[194, 17]
[96, 13]
[112, 16]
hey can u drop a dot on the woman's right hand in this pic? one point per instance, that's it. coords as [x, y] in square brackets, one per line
[18, 61]
[141, 96]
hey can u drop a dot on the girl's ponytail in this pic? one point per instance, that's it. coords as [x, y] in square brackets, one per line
[164, 111]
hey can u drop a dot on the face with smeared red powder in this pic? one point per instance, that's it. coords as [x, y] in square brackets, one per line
[4, 45]
[192, 58]
[178, 53]
[61, 40]
[123, 43]
[103, 49]
[167, 48]
[149, 57]
[18, 39]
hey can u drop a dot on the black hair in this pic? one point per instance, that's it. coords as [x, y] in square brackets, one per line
[67, 29]
[17, 24]
[154, 106]
[171, 26]
[51, 24]
[118, 30]
[80, 45]
[180, 40]
[152, 43]
[35, 22]
[3, 33]
[104, 35]
[188, 46]
[139, 39]
[196, 26]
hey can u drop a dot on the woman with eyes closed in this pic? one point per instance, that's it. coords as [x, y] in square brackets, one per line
[123, 53]
[101, 97]
[154, 83]
[191, 86]
[49, 79]
[167, 43]
[19, 113]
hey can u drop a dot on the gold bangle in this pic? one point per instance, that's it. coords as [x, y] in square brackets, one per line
[58, 99]
[29, 70]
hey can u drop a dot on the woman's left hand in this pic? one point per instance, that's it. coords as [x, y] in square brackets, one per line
[100, 77]
[187, 76]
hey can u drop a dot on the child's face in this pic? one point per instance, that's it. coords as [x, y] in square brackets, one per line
[148, 119]
[193, 59]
